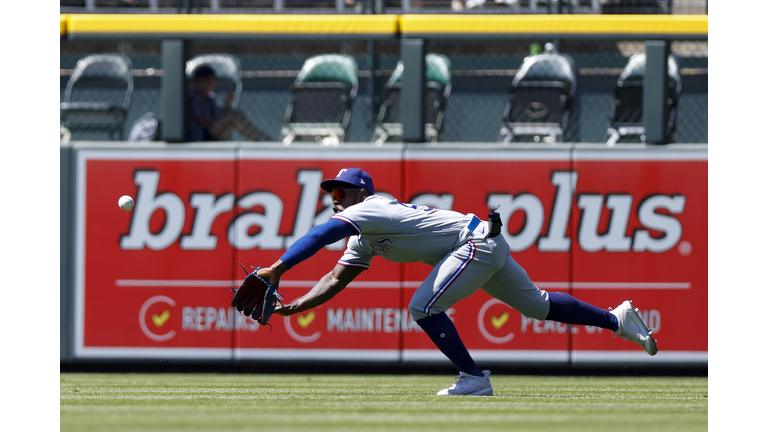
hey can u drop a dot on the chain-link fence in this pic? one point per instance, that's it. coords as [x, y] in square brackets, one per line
[479, 101]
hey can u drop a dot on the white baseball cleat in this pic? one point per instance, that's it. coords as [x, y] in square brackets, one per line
[632, 327]
[469, 385]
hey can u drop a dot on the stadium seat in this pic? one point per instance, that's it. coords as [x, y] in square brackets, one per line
[227, 70]
[438, 82]
[98, 95]
[321, 100]
[540, 99]
[626, 115]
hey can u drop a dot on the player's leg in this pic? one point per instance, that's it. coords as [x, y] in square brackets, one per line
[456, 277]
[439, 291]
[512, 286]
[623, 321]
[567, 309]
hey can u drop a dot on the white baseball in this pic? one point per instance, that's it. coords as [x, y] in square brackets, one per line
[125, 202]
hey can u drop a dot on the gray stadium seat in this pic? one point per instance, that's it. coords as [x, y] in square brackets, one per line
[540, 99]
[626, 115]
[98, 95]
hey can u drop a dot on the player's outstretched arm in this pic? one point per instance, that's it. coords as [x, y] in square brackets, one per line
[330, 285]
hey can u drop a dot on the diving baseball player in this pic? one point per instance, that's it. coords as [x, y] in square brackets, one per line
[466, 255]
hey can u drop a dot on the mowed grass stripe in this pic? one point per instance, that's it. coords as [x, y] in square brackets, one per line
[294, 402]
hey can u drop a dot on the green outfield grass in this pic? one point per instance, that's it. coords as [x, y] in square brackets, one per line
[294, 402]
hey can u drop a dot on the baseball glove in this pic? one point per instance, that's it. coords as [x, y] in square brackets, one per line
[256, 297]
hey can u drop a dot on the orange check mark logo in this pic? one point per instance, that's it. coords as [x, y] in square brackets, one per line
[498, 322]
[306, 320]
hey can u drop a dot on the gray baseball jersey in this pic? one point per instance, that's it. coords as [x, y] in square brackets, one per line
[455, 244]
[401, 232]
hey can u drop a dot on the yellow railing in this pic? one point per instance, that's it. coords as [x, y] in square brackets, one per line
[88, 25]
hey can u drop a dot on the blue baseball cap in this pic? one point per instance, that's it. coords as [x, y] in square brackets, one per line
[349, 178]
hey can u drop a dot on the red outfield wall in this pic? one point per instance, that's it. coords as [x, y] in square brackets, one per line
[604, 225]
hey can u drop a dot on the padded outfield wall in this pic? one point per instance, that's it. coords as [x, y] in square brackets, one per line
[603, 224]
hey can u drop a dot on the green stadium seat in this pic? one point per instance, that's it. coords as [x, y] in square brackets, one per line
[438, 83]
[321, 100]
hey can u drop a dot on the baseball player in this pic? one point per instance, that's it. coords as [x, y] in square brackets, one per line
[466, 255]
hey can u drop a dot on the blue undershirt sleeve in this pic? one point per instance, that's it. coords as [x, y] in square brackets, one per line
[317, 238]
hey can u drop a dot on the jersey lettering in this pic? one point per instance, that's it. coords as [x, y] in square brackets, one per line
[382, 246]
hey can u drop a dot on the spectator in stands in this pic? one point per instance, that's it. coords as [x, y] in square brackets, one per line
[206, 121]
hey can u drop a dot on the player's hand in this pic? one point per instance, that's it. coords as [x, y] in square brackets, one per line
[272, 274]
[284, 310]
[269, 275]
